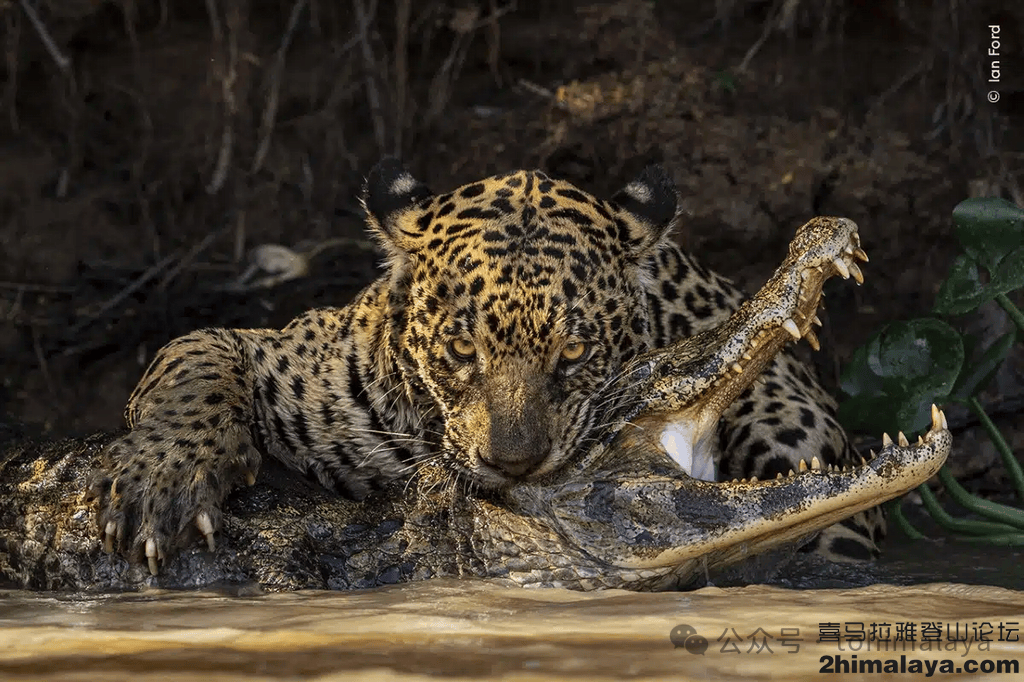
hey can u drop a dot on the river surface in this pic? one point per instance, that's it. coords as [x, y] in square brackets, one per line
[476, 630]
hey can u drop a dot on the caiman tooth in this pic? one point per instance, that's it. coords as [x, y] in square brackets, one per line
[737, 367]
[849, 249]
[753, 479]
[817, 321]
[840, 264]
[803, 466]
[920, 440]
[812, 339]
[864, 463]
[886, 441]
[791, 472]
[815, 464]
[858, 276]
[902, 440]
[846, 468]
[790, 326]
[859, 254]
[746, 356]
[778, 476]
[944, 424]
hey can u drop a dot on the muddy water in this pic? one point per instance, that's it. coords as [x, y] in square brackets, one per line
[477, 630]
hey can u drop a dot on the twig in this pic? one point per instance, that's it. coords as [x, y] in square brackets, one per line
[220, 169]
[211, 9]
[39, 288]
[11, 56]
[44, 367]
[402, 18]
[62, 62]
[115, 300]
[370, 63]
[769, 26]
[187, 259]
[270, 111]
[536, 89]
[924, 65]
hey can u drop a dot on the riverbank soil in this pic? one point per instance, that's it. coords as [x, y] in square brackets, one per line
[168, 165]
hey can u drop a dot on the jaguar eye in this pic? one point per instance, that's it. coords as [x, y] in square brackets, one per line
[574, 351]
[462, 349]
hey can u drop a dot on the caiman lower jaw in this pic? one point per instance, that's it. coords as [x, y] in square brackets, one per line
[668, 526]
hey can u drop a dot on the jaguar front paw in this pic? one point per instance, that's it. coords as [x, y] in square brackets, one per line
[163, 488]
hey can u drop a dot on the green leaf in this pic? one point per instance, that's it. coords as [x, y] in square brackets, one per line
[869, 414]
[896, 376]
[1009, 274]
[989, 229]
[975, 375]
[963, 290]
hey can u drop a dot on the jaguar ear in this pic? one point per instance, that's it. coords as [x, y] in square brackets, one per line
[653, 200]
[389, 192]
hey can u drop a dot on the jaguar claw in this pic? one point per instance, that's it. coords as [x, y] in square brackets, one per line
[205, 526]
[108, 537]
[151, 556]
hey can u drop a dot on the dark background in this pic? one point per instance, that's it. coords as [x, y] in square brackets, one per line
[152, 144]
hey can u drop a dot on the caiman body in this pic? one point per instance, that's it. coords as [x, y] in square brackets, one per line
[625, 513]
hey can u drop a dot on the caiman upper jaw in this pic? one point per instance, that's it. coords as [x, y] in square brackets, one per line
[684, 391]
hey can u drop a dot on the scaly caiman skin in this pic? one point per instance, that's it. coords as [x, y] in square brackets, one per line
[622, 513]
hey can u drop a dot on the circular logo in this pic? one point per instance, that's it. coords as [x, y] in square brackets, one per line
[686, 636]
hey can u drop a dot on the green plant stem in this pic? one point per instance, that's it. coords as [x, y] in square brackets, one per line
[993, 510]
[895, 508]
[963, 526]
[1004, 540]
[1013, 311]
[1013, 469]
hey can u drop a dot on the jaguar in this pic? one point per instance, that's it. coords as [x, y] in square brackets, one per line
[506, 310]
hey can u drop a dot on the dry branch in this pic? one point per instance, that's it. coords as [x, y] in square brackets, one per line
[62, 62]
[270, 110]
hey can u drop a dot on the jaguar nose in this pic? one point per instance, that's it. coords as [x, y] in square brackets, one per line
[517, 452]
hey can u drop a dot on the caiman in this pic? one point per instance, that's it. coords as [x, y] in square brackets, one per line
[623, 512]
